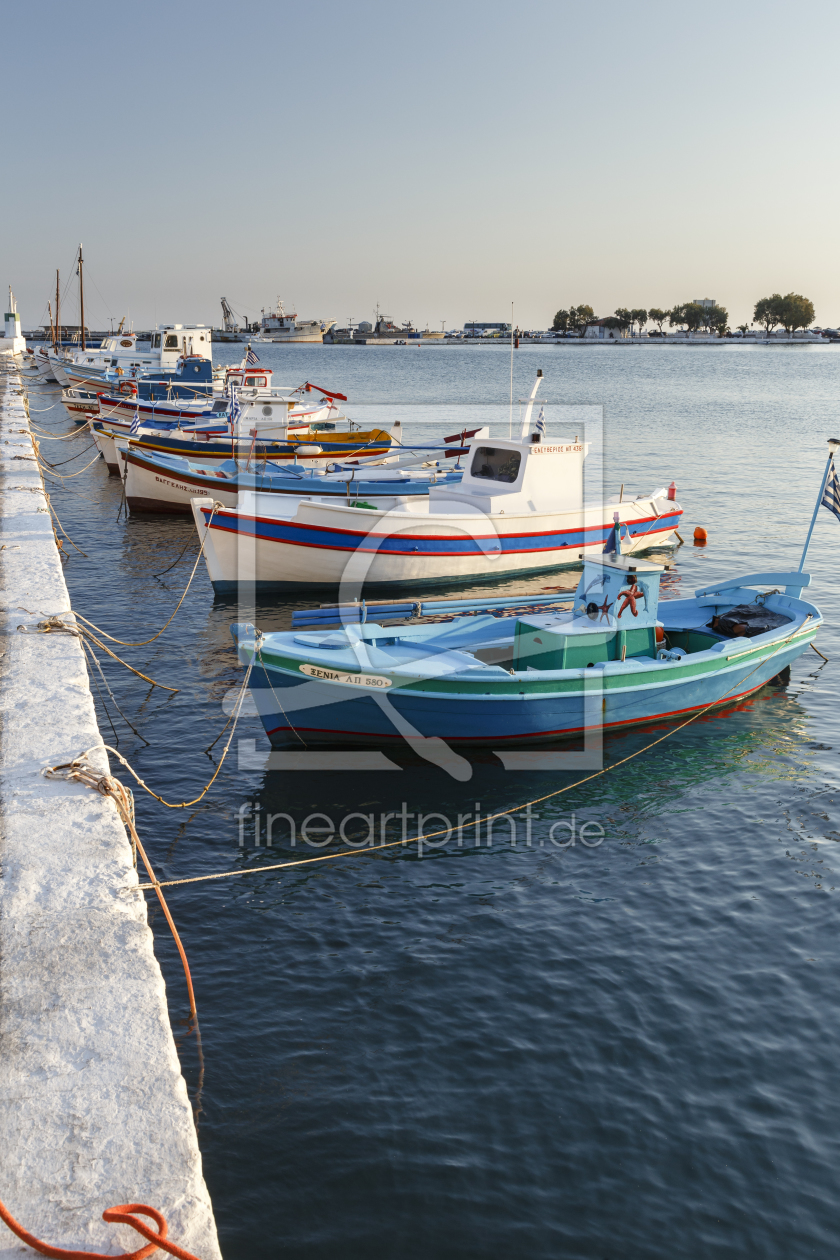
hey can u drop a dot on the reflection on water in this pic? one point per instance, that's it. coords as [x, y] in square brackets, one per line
[543, 1048]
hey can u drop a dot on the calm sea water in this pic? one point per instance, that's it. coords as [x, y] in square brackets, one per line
[621, 1051]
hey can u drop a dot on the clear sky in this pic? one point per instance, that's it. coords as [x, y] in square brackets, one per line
[442, 159]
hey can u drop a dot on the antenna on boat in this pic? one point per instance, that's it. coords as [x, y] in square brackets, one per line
[833, 445]
[510, 417]
[526, 422]
[81, 295]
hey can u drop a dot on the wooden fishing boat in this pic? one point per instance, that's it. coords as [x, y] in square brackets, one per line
[156, 482]
[616, 656]
[517, 509]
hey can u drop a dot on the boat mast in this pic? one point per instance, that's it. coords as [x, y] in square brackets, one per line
[57, 319]
[81, 295]
[52, 330]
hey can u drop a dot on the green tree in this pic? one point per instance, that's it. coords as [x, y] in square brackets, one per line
[613, 322]
[639, 317]
[624, 317]
[580, 316]
[658, 316]
[795, 312]
[743, 328]
[561, 322]
[689, 315]
[768, 311]
[716, 319]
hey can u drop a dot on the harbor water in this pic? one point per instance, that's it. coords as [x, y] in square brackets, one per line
[540, 1048]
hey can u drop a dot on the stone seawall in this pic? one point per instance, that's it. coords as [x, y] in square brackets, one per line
[93, 1107]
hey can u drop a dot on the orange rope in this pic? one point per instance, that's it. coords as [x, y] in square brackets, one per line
[122, 1214]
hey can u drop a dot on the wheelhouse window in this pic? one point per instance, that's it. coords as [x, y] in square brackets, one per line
[156, 341]
[255, 380]
[171, 342]
[496, 464]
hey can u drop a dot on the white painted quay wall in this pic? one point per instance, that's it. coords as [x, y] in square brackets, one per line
[93, 1107]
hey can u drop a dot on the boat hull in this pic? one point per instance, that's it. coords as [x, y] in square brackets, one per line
[325, 544]
[292, 707]
[151, 487]
[295, 338]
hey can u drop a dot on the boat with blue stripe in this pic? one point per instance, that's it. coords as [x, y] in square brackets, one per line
[518, 508]
[546, 669]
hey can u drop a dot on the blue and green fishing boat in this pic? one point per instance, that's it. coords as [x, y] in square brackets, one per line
[513, 671]
[616, 657]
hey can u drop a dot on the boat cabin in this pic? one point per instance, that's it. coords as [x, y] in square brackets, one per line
[249, 378]
[614, 618]
[174, 341]
[524, 475]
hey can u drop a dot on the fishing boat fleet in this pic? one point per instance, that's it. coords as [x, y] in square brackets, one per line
[288, 493]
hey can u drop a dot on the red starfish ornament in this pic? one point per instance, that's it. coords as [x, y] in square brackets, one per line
[633, 593]
[604, 610]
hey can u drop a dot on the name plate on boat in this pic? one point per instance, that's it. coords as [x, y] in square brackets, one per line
[372, 681]
[540, 448]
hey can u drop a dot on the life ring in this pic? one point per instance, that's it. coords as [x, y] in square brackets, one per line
[128, 387]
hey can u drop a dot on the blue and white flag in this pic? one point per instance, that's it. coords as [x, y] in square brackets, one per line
[251, 357]
[135, 424]
[234, 409]
[831, 493]
[541, 422]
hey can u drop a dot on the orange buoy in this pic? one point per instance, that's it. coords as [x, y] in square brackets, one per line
[660, 633]
[700, 535]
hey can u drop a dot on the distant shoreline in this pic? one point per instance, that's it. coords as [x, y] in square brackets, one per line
[594, 342]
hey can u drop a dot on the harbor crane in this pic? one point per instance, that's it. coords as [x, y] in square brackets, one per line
[231, 321]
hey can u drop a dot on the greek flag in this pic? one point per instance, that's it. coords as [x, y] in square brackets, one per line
[250, 357]
[831, 494]
[541, 422]
[234, 409]
[135, 424]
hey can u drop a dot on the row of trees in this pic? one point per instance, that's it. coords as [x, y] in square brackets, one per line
[789, 312]
[690, 315]
[575, 318]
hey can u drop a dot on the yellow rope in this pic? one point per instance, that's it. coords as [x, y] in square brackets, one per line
[55, 623]
[66, 476]
[169, 804]
[143, 642]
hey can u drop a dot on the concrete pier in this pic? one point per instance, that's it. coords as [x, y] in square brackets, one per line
[93, 1107]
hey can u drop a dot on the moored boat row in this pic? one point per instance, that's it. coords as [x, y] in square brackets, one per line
[288, 495]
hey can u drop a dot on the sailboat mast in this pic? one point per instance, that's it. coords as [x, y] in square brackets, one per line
[52, 330]
[81, 295]
[57, 319]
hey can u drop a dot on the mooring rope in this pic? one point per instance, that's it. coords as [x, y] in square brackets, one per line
[122, 1214]
[431, 835]
[55, 623]
[81, 771]
[144, 642]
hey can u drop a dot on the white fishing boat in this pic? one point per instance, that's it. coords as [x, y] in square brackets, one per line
[185, 428]
[156, 482]
[518, 509]
[280, 326]
[123, 353]
[80, 403]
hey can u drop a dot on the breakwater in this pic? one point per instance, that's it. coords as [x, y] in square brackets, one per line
[95, 1111]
